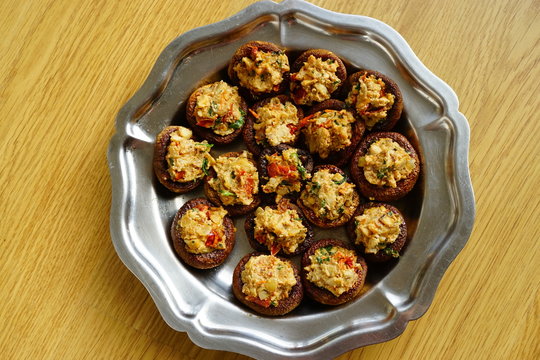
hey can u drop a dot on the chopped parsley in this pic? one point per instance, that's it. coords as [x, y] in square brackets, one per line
[339, 182]
[315, 187]
[226, 193]
[301, 169]
[205, 166]
[382, 173]
[207, 146]
[237, 124]
[213, 109]
[391, 252]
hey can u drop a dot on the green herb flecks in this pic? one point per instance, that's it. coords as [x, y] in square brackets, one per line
[237, 124]
[213, 109]
[301, 169]
[226, 193]
[339, 182]
[205, 145]
[205, 166]
[390, 252]
[315, 187]
[382, 173]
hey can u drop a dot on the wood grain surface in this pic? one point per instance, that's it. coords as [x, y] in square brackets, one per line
[66, 69]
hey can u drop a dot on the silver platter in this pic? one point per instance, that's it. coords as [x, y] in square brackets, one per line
[440, 211]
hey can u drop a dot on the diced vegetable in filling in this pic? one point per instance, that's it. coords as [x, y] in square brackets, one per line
[276, 123]
[333, 268]
[329, 195]
[386, 163]
[267, 280]
[371, 100]
[285, 172]
[279, 229]
[202, 230]
[377, 229]
[264, 73]
[218, 107]
[315, 81]
[237, 180]
[187, 160]
[328, 131]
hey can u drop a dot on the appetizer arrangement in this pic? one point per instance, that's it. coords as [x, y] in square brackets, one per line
[305, 125]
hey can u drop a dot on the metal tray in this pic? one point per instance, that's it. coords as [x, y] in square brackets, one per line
[440, 211]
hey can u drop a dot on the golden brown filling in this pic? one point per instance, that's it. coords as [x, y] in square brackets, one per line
[386, 163]
[218, 107]
[237, 180]
[267, 280]
[327, 131]
[315, 81]
[276, 123]
[264, 73]
[329, 195]
[285, 172]
[333, 268]
[202, 229]
[188, 160]
[377, 228]
[279, 229]
[370, 99]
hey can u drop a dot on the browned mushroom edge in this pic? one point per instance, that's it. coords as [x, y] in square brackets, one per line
[248, 50]
[324, 296]
[262, 167]
[207, 260]
[341, 71]
[310, 214]
[213, 196]
[248, 132]
[249, 227]
[341, 157]
[396, 246]
[383, 193]
[394, 114]
[284, 306]
[160, 165]
[209, 134]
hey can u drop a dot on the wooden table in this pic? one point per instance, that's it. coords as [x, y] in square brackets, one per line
[68, 66]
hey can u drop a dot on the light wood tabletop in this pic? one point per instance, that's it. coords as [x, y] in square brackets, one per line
[67, 67]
